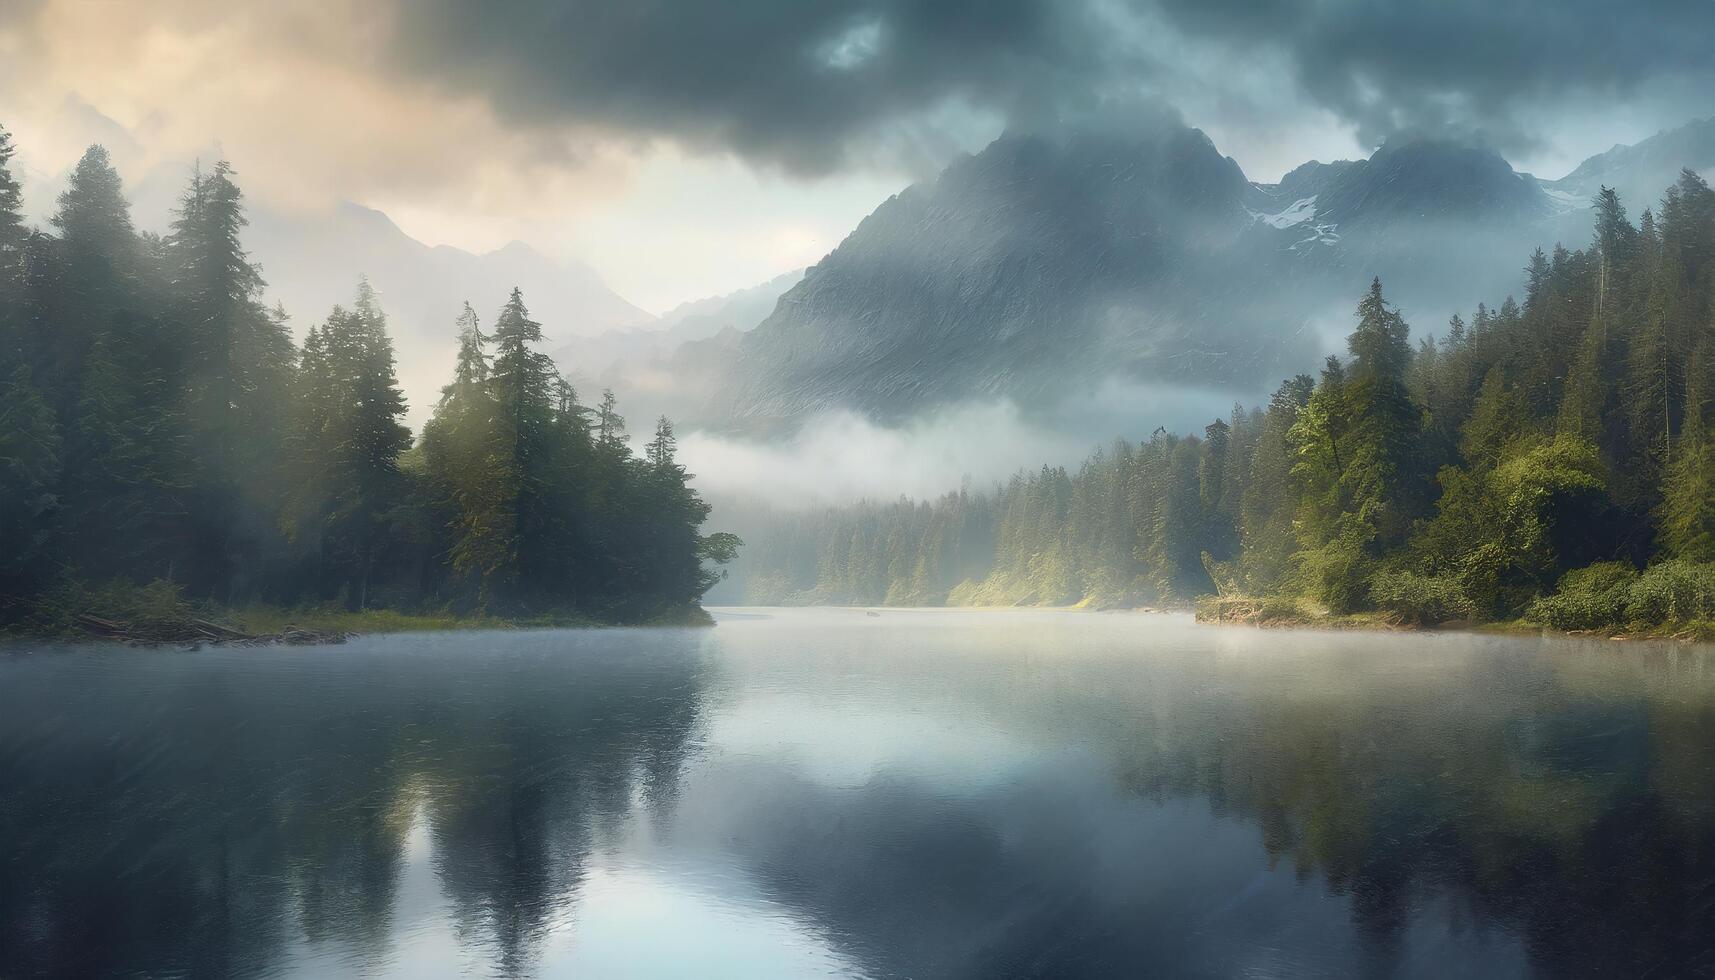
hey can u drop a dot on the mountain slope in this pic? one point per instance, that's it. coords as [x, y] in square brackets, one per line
[1642, 171]
[1046, 267]
[995, 279]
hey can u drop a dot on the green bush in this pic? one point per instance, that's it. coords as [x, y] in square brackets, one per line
[1594, 597]
[1673, 592]
[1421, 599]
[1336, 574]
[1281, 608]
[1481, 573]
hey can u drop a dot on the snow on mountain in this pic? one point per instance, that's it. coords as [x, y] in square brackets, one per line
[1297, 213]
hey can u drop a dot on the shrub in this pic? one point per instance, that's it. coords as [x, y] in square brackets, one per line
[1480, 575]
[1335, 573]
[1588, 598]
[1673, 592]
[1421, 599]
[1281, 608]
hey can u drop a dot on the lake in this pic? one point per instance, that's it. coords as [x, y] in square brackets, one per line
[802, 793]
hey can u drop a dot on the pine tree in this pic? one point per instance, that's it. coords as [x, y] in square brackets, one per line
[1219, 538]
[1386, 423]
[12, 230]
[216, 289]
[467, 473]
[14, 347]
[98, 257]
[347, 440]
[1268, 509]
[93, 215]
[1320, 441]
[376, 434]
[523, 385]
[237, 361]
[472, 369]
[610, 426]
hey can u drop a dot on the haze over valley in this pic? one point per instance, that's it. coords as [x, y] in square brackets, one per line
[1035, 298]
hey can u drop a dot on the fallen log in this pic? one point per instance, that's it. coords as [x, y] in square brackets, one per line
[97, 624]
[216, 630]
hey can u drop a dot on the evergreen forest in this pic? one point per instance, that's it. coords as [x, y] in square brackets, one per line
[160, 428]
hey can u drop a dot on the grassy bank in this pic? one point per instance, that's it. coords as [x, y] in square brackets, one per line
[1288, 612]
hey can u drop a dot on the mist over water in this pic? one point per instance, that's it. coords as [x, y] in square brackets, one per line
[821, 792]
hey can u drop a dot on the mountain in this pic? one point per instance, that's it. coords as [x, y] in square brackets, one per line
[619, 352]
[312, 262]
[638, 362]
[1642, 171]
[1048, 266]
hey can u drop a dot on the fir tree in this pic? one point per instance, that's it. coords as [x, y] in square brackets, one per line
[12, 230]
[347, 441]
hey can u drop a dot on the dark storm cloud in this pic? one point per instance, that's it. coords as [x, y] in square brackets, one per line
[801, 83]
[788, 81]
[1487, 65]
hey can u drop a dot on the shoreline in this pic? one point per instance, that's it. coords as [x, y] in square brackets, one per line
[1233, 611]
[1288, 614]
[267, 626]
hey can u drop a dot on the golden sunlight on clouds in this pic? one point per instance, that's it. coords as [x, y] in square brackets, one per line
[295, 99]
[301, 99]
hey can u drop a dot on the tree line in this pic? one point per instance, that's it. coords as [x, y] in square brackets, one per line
[158, 423]
[1552, 458]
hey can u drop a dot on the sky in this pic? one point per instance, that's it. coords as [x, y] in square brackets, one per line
[685, 148]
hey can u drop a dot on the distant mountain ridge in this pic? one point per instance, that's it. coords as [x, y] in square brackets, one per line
[597, 357]
[1641, 172]
[1044, 265]
[312, 262]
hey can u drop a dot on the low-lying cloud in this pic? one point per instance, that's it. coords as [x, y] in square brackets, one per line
[840, 457]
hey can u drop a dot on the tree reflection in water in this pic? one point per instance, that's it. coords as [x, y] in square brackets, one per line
[969, 795]
[197, 813]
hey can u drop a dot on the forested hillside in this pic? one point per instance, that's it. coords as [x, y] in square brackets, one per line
[1550, 458]
[157, 423]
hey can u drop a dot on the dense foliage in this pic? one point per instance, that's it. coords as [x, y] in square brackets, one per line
[1546, 449]
[157, 423]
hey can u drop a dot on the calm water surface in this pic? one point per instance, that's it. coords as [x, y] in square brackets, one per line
[810, 793]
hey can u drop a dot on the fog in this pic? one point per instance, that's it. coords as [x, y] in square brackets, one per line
[840, 456]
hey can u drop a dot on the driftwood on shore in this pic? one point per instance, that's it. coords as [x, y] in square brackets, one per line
[196, 632]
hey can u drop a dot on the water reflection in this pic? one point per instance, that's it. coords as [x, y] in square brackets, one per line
[927, 794]
[208, 813]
